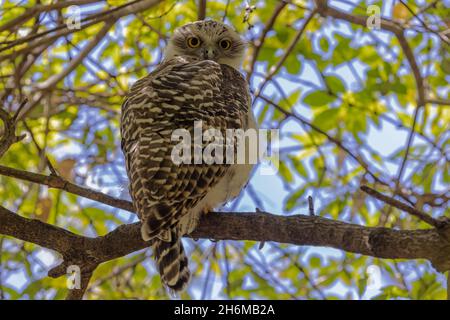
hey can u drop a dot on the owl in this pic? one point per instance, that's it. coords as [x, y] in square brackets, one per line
[198, 80]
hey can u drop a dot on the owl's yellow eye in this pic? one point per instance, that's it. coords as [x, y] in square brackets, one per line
[225, 44]
[193, 42]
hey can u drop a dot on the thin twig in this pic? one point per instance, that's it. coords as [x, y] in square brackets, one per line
[9, 132]
[40, 151]
[404, 207]
[201, 9]
[58, 182]
[274, 69]
[311, 206]
[259, 43]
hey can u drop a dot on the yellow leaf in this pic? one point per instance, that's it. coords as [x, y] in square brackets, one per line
[400, 12]
[43, 208]
[65, 168]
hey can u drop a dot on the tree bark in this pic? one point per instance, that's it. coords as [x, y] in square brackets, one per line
[430, 244]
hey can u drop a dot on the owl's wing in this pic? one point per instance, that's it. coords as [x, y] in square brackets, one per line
[175, 95]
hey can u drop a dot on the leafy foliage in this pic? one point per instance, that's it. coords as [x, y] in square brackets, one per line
[344, 99]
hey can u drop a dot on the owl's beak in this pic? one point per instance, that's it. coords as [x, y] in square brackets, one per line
[209, 53]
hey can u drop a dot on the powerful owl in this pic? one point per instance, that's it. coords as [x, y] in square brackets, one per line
[198, 80]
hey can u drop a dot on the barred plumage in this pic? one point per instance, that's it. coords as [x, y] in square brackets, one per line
[168, 198]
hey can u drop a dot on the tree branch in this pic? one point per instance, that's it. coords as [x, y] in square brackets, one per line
[54, 79]
[87, 252]
[8, 136]
[114, 13]
[404, 207]
[60, 183]
[399, 32]
[387, 25]
[77, 294]
[259, 43]
[201, 9]
[38, 8]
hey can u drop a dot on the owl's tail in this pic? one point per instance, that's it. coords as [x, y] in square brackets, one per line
[171, 261]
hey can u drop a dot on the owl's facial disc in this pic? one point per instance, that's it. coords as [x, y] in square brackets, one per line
[207, 40]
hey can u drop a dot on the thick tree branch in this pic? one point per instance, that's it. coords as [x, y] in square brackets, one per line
[77, 293]
[40, 233]
[87, 253]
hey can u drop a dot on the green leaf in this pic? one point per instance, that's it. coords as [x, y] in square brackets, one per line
[335, 83]
[324, 44]
[327, 119]
[315, 262]
[318, 98]
[293, 200]
[299, 166]
[285, 173]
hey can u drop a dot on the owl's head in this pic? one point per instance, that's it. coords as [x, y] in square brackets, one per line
[207, 40]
